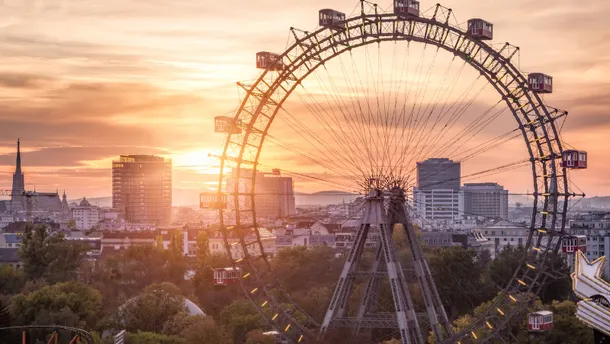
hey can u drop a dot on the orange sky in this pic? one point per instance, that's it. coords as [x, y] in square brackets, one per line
[84, 81]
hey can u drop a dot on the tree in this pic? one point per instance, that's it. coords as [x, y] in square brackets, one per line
[149, 311]
[257, 337]
[48, 255]
[203, 248]
[69, 303]
[239, 318]
[502, 269]
[11, 279]
[459, 279]
[205, 330]
[315, 302]
[295, 268]
[484, 259]
[567, 329]
[203, 272]
[159, 242]
[5, 318]
[176, 244]
[151, 338]
[125, 275]
[177, 324]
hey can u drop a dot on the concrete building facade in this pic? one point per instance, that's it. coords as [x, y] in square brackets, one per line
[596, 227]
[437, 197]
[274, 193]
[142, 188]
[438, 174]
[488, 200]
[86, 216]
[504, 233]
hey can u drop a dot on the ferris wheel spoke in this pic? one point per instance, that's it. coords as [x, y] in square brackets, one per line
[341, 140]
[418, 101]
[388, 120]
[321, 161]
[476, 129]
[364, 118]
[349, 138]
[313, 139]
[459, 108]
[486, 146]
[403, 118]
[424, 139]
[356, 129]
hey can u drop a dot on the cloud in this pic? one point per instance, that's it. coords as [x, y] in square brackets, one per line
[21, 80]
[73, 156]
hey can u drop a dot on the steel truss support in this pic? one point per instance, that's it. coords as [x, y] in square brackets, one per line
[386, 265]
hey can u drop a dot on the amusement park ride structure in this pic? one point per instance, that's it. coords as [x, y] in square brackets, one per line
[386, 206]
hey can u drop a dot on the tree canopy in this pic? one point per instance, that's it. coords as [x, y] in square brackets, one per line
[149, 311]
[49, 255]
[69, 303]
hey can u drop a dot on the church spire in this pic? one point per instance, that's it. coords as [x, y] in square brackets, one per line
[18, 168]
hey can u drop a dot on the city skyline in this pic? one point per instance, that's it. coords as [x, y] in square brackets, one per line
[162, 93]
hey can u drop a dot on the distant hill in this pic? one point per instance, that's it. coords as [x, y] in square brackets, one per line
[324, 197]
[183, 197]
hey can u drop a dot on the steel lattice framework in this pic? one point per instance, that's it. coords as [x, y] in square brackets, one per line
[264, 98]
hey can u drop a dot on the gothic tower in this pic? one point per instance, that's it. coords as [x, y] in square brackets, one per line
[18, 183]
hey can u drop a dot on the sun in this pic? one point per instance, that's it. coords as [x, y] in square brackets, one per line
[201, 161]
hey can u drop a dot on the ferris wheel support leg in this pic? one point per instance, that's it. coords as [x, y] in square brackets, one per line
[340, 297]
[434, 307]
[371, 291]
[396, 284]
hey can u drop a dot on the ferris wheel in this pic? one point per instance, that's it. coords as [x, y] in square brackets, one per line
[354, 106]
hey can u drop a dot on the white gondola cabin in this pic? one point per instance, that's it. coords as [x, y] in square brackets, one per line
[540, 321]
[332, 19]
[572, 243]
[267, 60]
[480, 29]
[210, 200]
[574, 159]
[406, 8]
[225, 276]
[540, 83]
[224, 124]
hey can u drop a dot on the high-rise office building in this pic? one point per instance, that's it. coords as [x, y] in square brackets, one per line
[489, 200]
[438, 174]
[274, 193]
[142, 188]
[437, 197]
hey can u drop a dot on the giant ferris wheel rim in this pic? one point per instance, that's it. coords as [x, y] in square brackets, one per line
[533, 117]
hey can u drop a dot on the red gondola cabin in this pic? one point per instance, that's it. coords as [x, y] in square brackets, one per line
[332, 19]
[540, 321]
[572, 243]
[574, 159]
[404, 8]
[480, 29]
[540, 83]
[224, 124]
[225, 276]
[267, 60]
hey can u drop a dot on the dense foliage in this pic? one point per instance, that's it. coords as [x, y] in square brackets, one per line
[143, 290]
